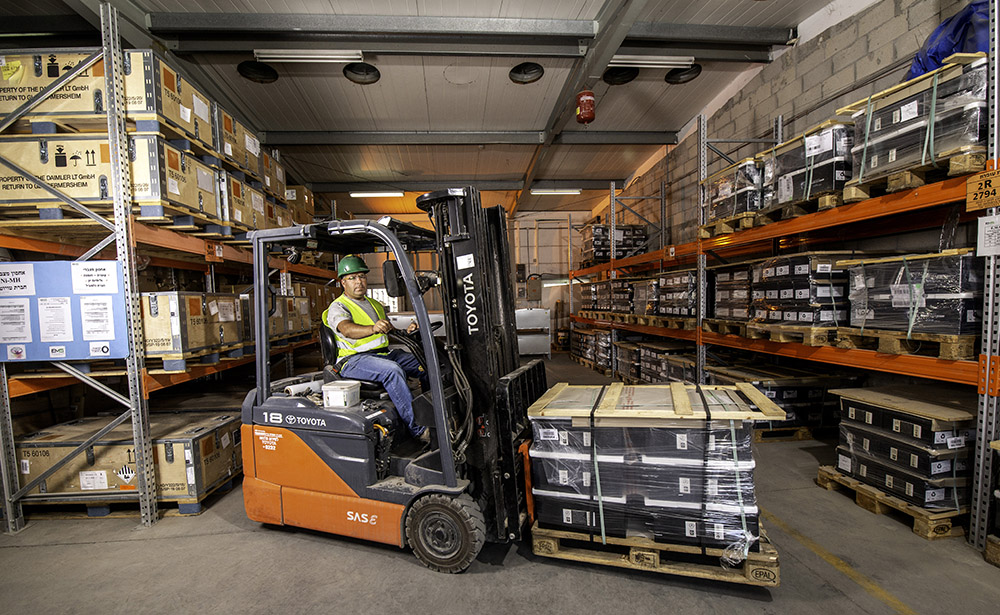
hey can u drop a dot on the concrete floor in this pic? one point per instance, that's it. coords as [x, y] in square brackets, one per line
[835, 558]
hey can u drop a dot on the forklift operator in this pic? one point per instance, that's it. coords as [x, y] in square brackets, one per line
[360, 326]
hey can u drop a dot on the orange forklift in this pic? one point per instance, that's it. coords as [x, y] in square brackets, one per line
[356, 471]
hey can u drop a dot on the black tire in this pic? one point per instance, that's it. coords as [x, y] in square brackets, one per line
[446, 533]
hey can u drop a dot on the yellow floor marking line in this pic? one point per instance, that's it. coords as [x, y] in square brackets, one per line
[866, 583]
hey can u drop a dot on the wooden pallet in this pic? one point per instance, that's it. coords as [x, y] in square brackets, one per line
[808, 336]
[785, 211]
[782, 434]
[949, 347]
[177, 363]
[643, 554]
[725, 226]
[179, 217]
[104, 509]
[725, 327]
[927, 524]
[685, 323]
[951, 164]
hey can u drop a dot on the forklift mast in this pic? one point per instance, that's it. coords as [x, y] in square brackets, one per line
[477, 293]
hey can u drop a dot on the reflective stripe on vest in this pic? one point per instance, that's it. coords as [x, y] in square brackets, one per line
[347, 346]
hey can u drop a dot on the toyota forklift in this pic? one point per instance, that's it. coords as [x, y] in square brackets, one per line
[356, 471]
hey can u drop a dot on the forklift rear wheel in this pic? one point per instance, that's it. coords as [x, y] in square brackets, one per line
[446, 533]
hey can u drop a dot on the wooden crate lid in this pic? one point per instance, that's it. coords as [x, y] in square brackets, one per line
[901, 258]
[173, 426]
[774, 376]
[995, 445]
[665, 345]
[618, 404]
[930, 402]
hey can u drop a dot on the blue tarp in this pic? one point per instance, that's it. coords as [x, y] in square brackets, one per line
[966, 32]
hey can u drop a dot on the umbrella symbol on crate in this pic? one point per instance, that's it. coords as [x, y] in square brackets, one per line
[126, 474]
[76, 158]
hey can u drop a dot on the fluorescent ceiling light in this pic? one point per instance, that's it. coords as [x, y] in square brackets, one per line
[308, 55]
[563, 191]
[652, 61]
[372, 195]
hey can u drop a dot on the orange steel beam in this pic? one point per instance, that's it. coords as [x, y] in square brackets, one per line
[931, 195]
[155, 382]
[19, 388]
[682, 334]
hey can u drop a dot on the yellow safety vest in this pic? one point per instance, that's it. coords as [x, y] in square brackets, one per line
[347, 346]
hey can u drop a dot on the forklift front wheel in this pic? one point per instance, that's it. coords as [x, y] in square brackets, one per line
[446, 533]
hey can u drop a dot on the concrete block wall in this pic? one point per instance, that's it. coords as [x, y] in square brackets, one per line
[862, 55]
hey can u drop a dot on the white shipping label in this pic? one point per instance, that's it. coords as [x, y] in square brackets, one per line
[844, 463]
[719, 531]
[934, 495]
[909, 489]
[564, 438]
[100, 277]
[228, 147]
[682, 442]
[939, 467]
[257, 201]
[17, 279]
[190, 475]
[877, 124]
[955, 442]
[908, 111]
[874, 161]
[567, 516]
[888, 480]
[280, 172]
[55, 319]
[866, 444]
[290, 194]
[892, 155]
[817, 144]
[227, 311]
[267, 181]
[172, 186]
[786, 188]
[782, 270]
[224, 440]
[586, 479]
[201, 109]
[713, 486]
[907, 295]
[914, 461]
[93, 479]
[25, 466]
[868, 417]
[548, 434]
[185, 113]
[206, 181]
[15, 320]
[98, 317]
[100, 349]
[851, 412]
[238, 215]
[896, 116]
[917, 431]
[563, 477]
[771, 394]
[896, 425]
[893, 453]
[465, 261]
[711, 442]
[684, 485]
[252, 145]
[827, 291]
[801, 269]
[691, 529]
[862, 470]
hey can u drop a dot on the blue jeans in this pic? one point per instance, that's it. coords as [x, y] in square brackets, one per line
[391, 371]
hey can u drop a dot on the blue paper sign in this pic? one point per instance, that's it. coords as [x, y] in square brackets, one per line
[62, 310]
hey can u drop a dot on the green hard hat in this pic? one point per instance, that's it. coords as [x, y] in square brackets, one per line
[351, 264]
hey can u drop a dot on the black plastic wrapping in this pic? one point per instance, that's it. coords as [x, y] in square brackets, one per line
[732, 292]
[800, 289]
[816, 163]
[899, 133]
[919, 294]
[678, 294]
[734, 190]
[646, 296]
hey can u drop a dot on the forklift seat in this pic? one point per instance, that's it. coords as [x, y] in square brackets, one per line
[328, 348]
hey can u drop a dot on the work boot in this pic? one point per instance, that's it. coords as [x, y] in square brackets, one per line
[425, 436]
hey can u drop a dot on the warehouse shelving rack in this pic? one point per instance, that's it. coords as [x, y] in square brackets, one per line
[914, 209]
[166, 248]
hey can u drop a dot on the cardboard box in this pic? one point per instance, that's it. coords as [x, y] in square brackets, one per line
[302, 198]
[239, 196]
[80, 166]
[193, 453]
[240, 144]
[152, 89]
[174, 323]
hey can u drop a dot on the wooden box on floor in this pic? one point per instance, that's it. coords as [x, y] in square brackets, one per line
[174, 323]
[194, 453]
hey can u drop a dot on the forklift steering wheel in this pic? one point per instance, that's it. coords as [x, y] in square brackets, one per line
[416, 332]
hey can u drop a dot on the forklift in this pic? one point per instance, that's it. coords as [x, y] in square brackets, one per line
[356, 471]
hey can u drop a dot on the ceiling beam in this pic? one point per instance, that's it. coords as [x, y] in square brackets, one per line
[46, 24]
[528, 137]
[190, 33]
[616, 18]
[430, 185]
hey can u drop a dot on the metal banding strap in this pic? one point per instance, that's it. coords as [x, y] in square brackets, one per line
[929, 133]
[864, 150]
[704, 467]
[597, 473]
